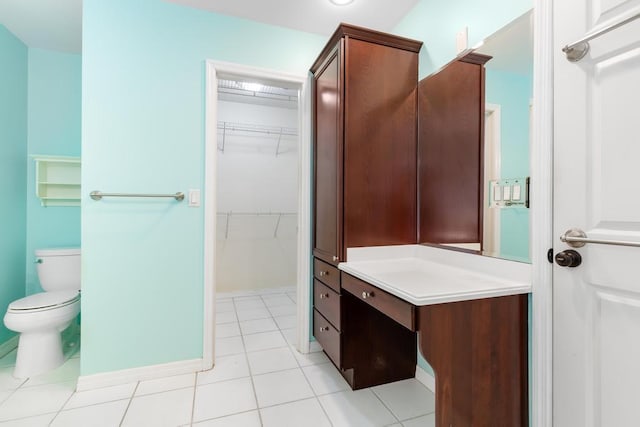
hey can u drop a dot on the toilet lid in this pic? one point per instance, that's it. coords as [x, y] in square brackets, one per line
[45, 300]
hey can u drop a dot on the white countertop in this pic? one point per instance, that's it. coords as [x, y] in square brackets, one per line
[424, 275]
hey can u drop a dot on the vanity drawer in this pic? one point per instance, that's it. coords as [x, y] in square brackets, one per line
[327, 302]
[327, 336]
[399, 310]
[327, 274]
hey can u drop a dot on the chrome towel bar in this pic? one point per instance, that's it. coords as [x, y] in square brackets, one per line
[578, 49]
[98, 195]
[577, 238]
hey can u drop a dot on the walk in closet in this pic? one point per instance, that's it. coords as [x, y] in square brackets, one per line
[257, 186]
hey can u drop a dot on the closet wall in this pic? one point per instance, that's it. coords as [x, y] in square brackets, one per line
[257, 196]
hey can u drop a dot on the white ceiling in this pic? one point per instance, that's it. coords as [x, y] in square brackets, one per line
[57, 24]
[314, 16]
[46, 24]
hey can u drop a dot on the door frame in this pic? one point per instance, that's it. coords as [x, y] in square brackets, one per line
[303, 289]
[541, 154]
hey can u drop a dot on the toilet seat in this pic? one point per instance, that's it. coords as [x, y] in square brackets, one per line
[44, 301]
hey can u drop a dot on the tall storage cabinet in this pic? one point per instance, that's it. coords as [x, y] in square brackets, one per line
[365, 170]
[365, 142]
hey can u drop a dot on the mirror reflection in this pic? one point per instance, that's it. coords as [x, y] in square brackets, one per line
[500, 180]
[508, 112]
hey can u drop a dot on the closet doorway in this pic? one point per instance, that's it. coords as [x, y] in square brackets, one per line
[257, 190]
[257, 186]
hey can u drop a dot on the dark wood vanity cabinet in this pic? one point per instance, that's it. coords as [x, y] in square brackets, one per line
[365, 188]
[450, 151]
[367, 152]
[365, 142]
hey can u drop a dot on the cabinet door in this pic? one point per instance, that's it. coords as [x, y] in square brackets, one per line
[451, 105]
[380, 145]
[328, 161]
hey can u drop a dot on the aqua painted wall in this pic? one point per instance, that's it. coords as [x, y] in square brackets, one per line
[143, 131]
[513, 92]
[436, 23]
[13, 170]
[55, 83]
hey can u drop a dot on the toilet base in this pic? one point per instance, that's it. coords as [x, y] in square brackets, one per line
[38, 352]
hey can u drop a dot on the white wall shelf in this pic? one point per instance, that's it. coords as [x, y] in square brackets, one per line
[58, 180]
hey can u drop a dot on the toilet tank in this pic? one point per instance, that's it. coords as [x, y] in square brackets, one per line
[58, 269]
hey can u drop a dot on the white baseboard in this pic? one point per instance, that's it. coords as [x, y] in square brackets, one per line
[125, 376]
[9, 345]
[253, 292]
[314, 346]
[428, 380]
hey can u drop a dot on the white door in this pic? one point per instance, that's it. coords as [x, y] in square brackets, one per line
[596, 343]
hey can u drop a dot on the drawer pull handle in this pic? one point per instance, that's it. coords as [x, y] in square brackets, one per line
[323, 296]
[324, 273]
[366, 294]
[324, 328]
[335, 258]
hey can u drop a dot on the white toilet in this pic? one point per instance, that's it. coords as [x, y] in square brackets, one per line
[41, 317]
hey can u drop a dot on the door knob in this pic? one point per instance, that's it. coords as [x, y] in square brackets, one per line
[568, 258]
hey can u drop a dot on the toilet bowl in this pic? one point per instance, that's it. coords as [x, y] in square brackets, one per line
[41, 317]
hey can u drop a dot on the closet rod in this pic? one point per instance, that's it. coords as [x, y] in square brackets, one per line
[246, 127]
[232, 213]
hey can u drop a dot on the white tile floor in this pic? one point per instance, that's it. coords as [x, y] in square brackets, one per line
[259, 380]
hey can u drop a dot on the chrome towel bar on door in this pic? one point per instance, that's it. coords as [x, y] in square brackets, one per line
[98, 195]
[578, 49]
[577, 238]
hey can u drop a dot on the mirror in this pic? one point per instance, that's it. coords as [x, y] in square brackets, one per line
[474, 170]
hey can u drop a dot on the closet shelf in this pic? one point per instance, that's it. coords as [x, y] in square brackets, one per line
[227, 129]
[277, 226]
[58, 183]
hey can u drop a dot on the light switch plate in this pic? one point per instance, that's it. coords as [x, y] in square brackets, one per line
[462, 40]
[506, 192]
[194, 198]
[516, 192]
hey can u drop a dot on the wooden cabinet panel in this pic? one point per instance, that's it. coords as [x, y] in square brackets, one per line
[328, 162]
[451, 121]
[380, 145]
[328, 337]
[327, 302]
[478, 350]
[392, 306]
[327, 274]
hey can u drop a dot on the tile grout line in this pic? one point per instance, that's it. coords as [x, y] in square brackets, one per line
[246, 358]
[225, 416]
[129, 404]
[13, 391]
[63, 405]
[385, 405]
[419, 416]
[193, 401]
[25, 418]
[316, 396]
